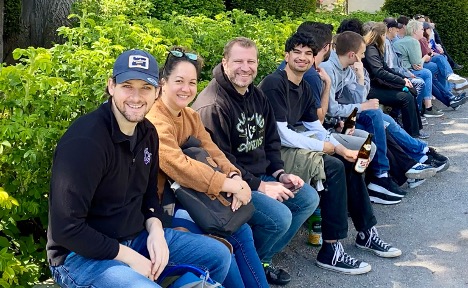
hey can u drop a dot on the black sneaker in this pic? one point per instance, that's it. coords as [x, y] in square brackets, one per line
[440, 166]
[439, 157]
[332, 257]
[384, 199]
[386, 185]
[276, 276]
[457, 101]
[369, 240]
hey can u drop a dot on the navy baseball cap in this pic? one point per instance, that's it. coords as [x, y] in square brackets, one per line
[136, 64]
[391, 22]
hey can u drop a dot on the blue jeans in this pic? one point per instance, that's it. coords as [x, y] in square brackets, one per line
[246, 269]
[443, 65]
[184, 248]
[372, 122]
[412, 146]
[275, 223]
[422, 84]
[440, 86]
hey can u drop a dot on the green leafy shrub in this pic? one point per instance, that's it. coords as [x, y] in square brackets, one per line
[49, 88]
[276, 7]
[449, 16]
[165, 8]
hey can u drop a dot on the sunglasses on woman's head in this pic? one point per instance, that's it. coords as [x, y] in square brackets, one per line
[179, 54]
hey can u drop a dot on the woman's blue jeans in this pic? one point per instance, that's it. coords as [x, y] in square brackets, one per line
[275, 223]
[246, 269]
[440, 86]
[184, 248]
[422, 84]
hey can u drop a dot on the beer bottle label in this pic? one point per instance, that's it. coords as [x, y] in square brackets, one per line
[361, 164]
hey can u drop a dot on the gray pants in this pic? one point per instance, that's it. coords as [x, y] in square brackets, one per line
[355, 142]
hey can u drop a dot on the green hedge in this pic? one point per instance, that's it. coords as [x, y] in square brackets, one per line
[49, 88]
[276, 7]
[450, 18]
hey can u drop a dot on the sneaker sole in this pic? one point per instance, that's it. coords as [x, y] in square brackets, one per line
[382, 190]
[433, 116]
[458, 81]
[355, 271]
[444, 167]
[377, 200]
[416, 184]
[380, 253]
[424, 174]
[461, 88]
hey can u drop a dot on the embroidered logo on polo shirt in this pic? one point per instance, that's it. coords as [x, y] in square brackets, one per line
[147, 156]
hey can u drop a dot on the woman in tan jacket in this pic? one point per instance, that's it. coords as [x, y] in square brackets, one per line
[175, 122]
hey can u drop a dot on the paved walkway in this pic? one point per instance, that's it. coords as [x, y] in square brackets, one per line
[430, 226]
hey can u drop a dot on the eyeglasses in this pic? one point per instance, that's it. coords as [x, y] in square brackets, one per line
[179, 54]
[418, 17]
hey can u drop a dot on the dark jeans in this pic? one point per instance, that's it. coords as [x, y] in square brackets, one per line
[345, 188]
[400, 162]
[403, 101]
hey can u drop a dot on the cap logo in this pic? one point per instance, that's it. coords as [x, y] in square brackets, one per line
[138, 61]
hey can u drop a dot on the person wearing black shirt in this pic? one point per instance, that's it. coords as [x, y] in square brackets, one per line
[105, 226]
[292, 101]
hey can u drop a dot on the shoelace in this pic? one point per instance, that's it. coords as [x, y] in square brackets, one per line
[374, 237]
[341, 256]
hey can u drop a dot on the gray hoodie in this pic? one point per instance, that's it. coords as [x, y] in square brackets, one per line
[345, 92]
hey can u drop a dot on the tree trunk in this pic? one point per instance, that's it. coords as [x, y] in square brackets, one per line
[39, 22]
[42, 18]
[2, 5]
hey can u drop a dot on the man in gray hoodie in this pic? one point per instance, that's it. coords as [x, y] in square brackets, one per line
[349, 89]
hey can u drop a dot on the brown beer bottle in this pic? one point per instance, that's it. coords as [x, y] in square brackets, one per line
[350, 122]
[363, 157]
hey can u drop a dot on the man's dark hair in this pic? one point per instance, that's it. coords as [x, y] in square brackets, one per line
[348, 41]
[352, 24]
[322, 32]
[403, 20]
[302, 39]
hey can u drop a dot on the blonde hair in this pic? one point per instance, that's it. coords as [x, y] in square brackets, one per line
[375, 36]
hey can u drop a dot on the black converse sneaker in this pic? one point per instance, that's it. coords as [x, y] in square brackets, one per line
[332, 257]
[370, 240]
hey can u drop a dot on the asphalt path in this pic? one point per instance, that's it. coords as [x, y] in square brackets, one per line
[430, 226]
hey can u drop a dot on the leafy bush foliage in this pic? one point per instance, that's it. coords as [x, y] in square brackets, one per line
[49, 88]
[449, 17]
[165, 8]
[276, 7]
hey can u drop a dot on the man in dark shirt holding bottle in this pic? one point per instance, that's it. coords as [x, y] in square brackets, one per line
[292, 101]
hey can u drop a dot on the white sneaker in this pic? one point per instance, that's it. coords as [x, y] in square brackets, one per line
[460, 87]
[454, 78]
[413, 183]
